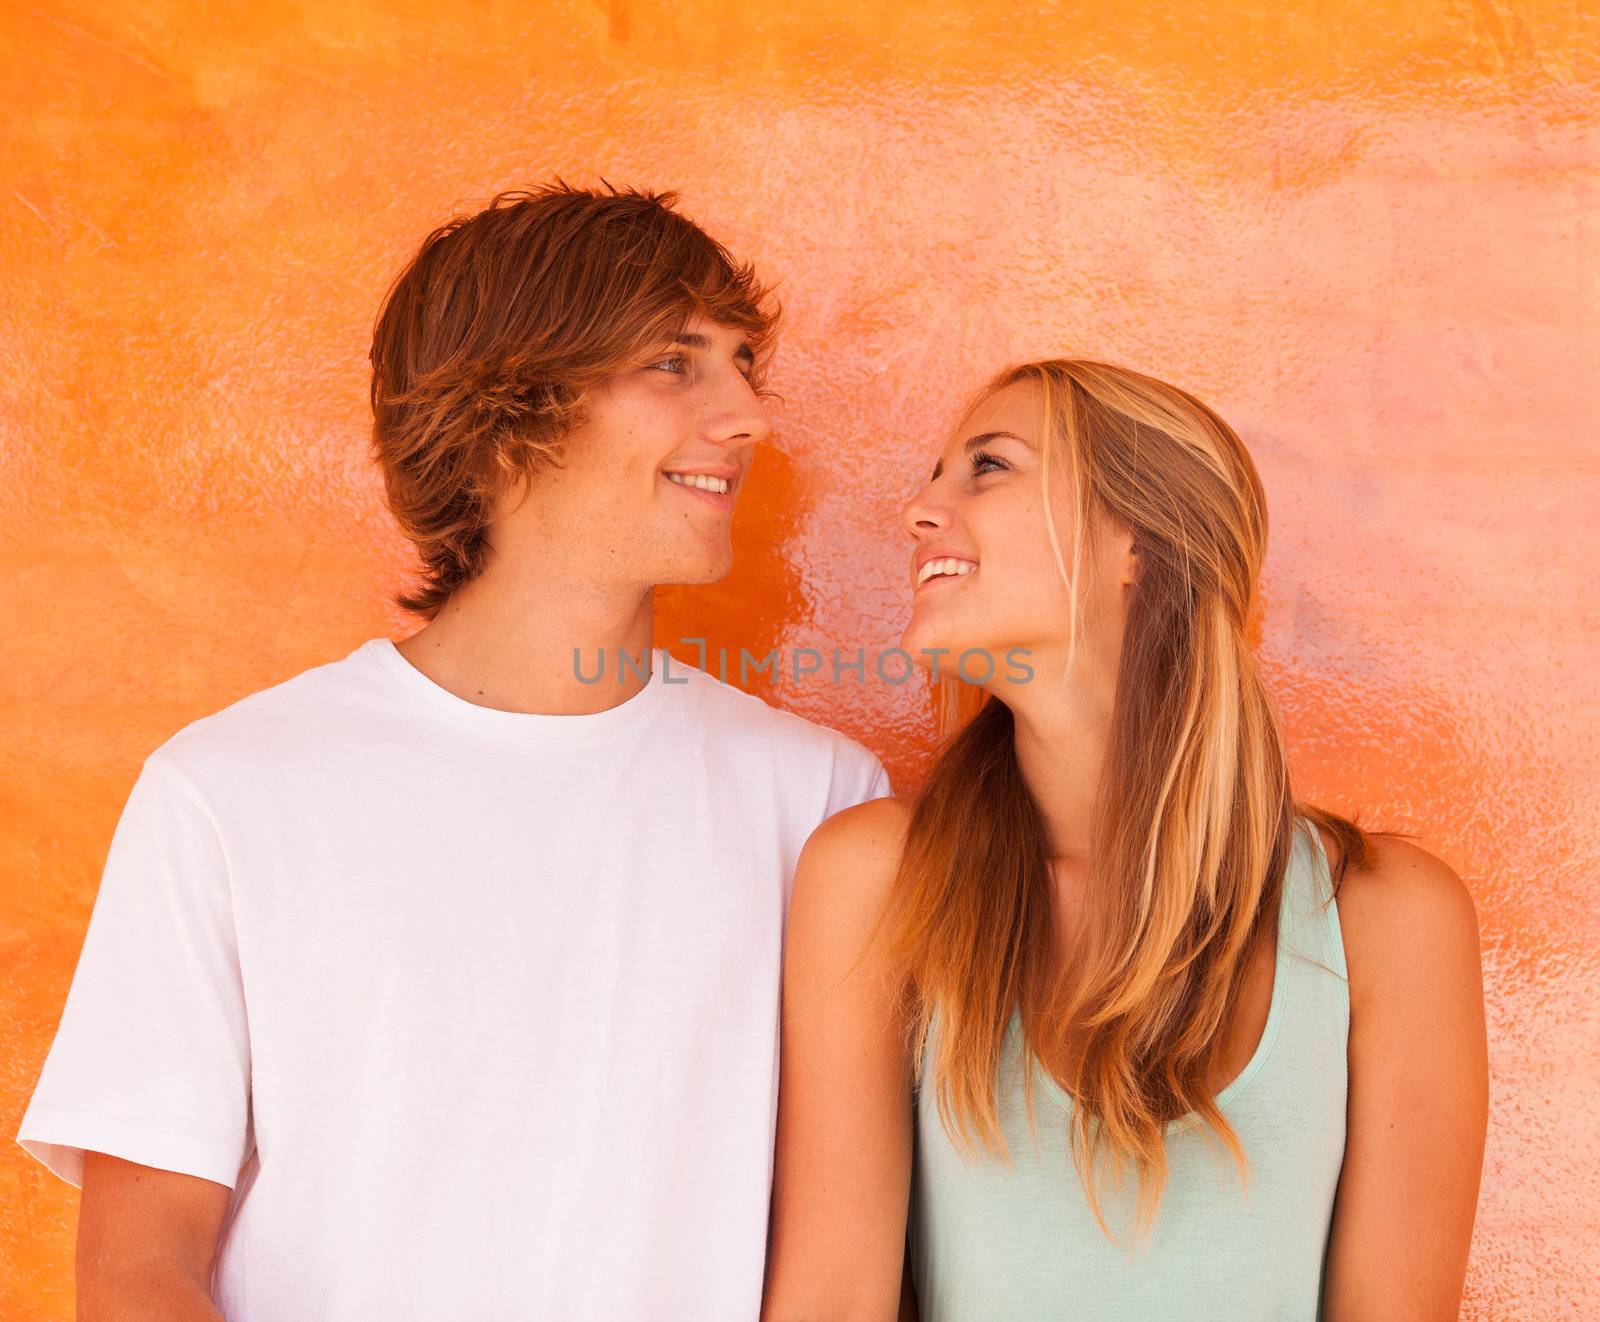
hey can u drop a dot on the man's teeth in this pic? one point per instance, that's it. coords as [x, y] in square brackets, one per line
[701, 480]
[960, 568]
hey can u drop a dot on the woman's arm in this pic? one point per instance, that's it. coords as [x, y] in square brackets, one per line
[1418, 1105]
[843, 1169]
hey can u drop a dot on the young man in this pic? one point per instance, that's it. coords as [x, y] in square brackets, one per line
[441, 981]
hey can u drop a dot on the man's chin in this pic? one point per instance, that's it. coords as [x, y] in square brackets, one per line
[687, 571]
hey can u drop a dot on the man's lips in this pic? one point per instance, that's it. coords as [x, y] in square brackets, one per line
[718, 500]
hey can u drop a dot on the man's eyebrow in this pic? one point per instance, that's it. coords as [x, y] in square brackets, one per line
[973, 442]
[689, 340]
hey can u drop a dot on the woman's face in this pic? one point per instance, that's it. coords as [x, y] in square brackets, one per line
[982, 573]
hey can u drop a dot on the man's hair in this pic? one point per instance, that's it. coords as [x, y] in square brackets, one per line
[493, 336]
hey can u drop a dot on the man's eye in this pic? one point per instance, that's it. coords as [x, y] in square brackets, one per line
[676, 364]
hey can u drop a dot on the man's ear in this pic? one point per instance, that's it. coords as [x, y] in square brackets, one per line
[508, 497]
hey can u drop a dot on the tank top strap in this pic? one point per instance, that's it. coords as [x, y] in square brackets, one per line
[1311, 914]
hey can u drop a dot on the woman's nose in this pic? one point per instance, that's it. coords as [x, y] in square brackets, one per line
[923, 513]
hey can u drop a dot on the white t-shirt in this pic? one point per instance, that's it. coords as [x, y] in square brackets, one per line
[476, 1011]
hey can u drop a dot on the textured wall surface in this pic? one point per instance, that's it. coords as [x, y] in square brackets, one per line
[1366, 234]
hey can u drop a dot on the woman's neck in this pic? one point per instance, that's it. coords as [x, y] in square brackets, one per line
[1061, 740]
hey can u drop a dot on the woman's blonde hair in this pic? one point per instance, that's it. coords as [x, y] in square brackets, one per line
[1193, 825]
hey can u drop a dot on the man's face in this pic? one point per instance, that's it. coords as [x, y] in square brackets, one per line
[650, 476]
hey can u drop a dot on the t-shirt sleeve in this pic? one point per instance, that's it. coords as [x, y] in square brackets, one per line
[151, 1061]
[862, 777]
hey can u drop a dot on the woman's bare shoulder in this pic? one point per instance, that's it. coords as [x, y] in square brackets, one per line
[871, 827]
[849, 863]
[1408, 920]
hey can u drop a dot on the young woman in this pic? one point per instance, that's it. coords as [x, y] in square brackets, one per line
[1106, 1023]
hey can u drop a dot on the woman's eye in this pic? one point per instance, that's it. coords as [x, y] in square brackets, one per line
[982, 458]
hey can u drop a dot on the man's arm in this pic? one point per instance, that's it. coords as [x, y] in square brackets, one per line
[147, 1240]
[143, 1100]
[144, 1095]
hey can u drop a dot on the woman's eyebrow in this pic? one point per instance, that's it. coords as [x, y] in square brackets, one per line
[973, 442]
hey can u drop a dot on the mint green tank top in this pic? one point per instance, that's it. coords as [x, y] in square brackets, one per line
[992, 1242]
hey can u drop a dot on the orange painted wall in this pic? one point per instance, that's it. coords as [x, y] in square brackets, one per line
[1366, 234]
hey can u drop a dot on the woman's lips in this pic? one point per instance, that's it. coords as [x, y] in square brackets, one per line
[942, 578]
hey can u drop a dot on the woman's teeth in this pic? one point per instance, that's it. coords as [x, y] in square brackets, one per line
[960, 568]
[701, 480]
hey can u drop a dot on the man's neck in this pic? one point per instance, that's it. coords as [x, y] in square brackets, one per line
[514, 650]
